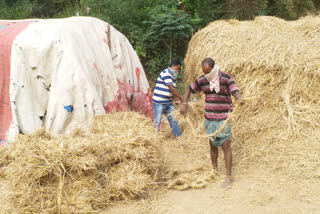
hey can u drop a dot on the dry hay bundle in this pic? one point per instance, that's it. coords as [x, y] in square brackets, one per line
[190, 179]
[117, 160]
[276, 65]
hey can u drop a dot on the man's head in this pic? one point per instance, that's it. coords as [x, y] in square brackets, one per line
[207, 65]
[175, 64]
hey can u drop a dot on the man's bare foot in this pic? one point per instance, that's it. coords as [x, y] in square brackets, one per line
[227, 183]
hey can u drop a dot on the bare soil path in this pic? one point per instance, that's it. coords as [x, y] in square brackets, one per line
[253, 191]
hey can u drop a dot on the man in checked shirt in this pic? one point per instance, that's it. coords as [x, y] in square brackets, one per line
[218, 87]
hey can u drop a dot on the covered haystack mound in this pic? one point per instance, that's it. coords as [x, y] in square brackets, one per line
[116, 160]
[55, 73]
[276, 65]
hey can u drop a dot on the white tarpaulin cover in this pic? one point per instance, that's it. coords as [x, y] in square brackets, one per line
[65, 71]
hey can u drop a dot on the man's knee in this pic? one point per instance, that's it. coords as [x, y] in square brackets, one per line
[212, 147]
[226, 144]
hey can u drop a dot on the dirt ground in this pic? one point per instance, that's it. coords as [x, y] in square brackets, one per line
[253, 191]
[247, 195]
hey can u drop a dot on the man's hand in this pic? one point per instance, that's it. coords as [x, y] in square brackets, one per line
[177, 102]
[241, 102]
[174, 92]
[184, 109]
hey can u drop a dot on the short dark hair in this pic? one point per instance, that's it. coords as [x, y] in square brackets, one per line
[208, 61]
[175, 62]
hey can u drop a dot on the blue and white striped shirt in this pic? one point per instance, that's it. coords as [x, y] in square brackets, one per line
[162, 93]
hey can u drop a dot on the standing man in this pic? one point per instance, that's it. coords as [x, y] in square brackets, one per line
[218, 87]
[162, 97]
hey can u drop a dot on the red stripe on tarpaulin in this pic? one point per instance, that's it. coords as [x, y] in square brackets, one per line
[7, 36]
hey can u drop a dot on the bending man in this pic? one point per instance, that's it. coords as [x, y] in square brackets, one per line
[218, 87]
[162, 97]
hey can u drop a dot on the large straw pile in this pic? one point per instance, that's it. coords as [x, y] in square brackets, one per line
[276, 65]
[118, 159]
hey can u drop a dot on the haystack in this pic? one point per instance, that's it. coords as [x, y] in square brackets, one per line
[57, 73]
[120, 158]
[276, 65]
[117, 159]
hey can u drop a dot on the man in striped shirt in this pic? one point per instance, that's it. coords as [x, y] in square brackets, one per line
[218, 87]
[163, 95]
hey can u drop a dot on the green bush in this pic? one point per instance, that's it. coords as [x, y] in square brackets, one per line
[20, 9]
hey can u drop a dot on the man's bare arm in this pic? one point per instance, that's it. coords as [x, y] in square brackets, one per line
[184, 107]
[238, 98]
[174, 92]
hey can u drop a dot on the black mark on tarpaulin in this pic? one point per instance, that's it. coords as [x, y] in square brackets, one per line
[42, 117]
